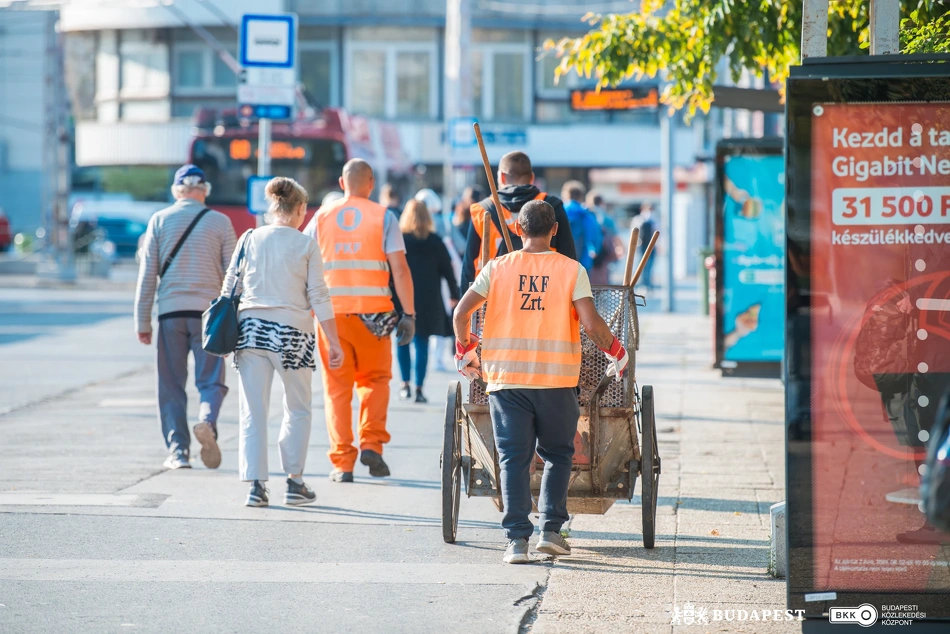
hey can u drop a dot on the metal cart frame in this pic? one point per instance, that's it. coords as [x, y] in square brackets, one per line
[617, 422]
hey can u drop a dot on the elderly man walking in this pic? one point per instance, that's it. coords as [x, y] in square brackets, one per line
[186, 251]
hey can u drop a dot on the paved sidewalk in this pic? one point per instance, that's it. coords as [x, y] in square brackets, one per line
[97, 537]
[721, 443]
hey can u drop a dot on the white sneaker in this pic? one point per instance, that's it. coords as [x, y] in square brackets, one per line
[551, 543]
[177, 460]
[517, 552]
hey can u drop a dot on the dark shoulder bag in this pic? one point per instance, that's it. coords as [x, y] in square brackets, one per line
[219, 324]
[181, 241]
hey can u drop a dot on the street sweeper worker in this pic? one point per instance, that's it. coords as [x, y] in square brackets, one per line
[531, 360]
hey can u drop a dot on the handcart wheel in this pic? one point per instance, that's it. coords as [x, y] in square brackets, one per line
[452, 462]
[649, 466]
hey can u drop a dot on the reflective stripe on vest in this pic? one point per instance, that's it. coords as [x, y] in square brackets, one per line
[356, 265]
[478, 220]
[357, 291]
[531, 294]
[350, 232]
[534, 345]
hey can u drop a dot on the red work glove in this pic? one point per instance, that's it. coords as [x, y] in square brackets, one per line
[466, 359]
[617, 359]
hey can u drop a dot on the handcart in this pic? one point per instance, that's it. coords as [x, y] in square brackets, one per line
[616, 432]
[615, 441]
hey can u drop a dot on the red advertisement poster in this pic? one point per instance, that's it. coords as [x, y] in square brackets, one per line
[880, 270]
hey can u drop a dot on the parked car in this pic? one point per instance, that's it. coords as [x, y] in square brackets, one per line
[121, 222]
[6, 235]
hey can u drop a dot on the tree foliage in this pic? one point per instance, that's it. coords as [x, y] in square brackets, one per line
[686, 41]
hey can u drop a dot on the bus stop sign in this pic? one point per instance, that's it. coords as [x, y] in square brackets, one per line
[268, 82]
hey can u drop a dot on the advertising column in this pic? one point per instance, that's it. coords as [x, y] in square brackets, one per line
[869, 337]
[750, 257]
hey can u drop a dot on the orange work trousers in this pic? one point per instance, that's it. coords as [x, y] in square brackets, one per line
[368, 364]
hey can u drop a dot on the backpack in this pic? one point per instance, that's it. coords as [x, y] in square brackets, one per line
[935, 483]
[579, 231]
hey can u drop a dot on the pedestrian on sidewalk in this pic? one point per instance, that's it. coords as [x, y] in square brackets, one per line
[531, 361]
[185, 252]
[588, 237]
[281, 279]
[361, 243]
[430, 265]
[516, 182]
[648, 225]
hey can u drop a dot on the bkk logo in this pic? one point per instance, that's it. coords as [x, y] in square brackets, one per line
[864, 615]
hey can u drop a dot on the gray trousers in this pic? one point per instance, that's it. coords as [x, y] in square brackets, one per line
[256, 370]
[177, 336]
[525, 421]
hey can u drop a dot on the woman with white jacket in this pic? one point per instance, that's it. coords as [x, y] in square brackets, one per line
[282, 282]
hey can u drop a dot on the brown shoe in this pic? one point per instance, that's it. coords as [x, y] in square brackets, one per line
[210, 453]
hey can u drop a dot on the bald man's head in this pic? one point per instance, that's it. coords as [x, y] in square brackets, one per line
[357, 179]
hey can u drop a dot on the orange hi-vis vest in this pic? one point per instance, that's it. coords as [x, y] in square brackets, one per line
[350, 232]
[494, 234]
[532, 333]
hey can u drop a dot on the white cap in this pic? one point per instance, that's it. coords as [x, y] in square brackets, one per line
[431, 199]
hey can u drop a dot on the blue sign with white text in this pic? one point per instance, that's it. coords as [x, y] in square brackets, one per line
[753, 250]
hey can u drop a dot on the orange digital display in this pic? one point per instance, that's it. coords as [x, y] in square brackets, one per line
[621, 99]
[241, 150]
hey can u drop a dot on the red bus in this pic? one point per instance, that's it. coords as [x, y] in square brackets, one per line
[310, 150]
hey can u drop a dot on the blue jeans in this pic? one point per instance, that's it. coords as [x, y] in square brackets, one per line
[525, 421]
[421, 346]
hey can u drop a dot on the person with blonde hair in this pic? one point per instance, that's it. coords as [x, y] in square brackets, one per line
[429, 263]
[281, 273]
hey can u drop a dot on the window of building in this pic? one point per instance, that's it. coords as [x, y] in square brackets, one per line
[368, 83]
[316, 73]
[391, 72]
[144, 69]
[500, 84]
[198, 69]
[191, 69]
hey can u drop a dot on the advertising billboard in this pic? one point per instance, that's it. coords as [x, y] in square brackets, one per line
[750, 256]
[868, 332]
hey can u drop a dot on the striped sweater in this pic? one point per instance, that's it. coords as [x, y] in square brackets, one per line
[194, 278]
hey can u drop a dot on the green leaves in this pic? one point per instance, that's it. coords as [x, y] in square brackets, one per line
[687, 42]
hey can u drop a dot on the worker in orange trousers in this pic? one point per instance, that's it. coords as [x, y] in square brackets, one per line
[361, 245]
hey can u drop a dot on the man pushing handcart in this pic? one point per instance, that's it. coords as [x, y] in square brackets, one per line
[529, 361]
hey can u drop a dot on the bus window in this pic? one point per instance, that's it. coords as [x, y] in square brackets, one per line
[228, 162]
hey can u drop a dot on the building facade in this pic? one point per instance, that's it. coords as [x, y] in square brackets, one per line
[138, 74]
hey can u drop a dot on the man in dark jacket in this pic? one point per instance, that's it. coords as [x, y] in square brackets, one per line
[516, 188]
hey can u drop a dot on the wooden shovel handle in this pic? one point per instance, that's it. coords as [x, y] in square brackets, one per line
[631, 254]
[494, 190]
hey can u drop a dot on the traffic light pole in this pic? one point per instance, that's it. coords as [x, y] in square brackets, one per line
[264, 134]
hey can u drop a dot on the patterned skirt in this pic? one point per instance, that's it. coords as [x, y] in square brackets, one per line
[295, 348]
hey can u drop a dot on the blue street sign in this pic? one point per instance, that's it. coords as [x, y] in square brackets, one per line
[462, 133]
[256, 201]
[260, 111]
[267, 41]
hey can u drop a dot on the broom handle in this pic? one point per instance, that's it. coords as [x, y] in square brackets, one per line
[646, 256]
[631, 254]
[494, 190]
